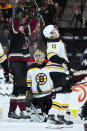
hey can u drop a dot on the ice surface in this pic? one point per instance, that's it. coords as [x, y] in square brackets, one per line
[7, 124]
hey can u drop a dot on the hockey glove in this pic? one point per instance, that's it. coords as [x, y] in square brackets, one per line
[67, 67]
[67, 88]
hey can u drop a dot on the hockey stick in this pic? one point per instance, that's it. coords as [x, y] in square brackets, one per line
[36, 113]
[80, 83]
[5, 94]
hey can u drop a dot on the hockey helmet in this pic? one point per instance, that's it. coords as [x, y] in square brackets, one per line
[47, 31]
[39, 56]
[51, 31]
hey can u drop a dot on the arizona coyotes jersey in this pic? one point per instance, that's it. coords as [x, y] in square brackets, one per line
[3, 56]
[38, 78]
[56, 48]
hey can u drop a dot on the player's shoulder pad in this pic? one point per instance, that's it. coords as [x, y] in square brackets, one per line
[52, 64]
[32, 67]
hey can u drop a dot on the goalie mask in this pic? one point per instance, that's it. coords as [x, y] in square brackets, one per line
[39, 56]
[51, 31]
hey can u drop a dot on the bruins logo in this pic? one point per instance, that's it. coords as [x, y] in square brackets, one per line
[41, 78]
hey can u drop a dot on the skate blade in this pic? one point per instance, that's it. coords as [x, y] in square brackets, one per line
[58, 126]
[53, 126]
[15, 120]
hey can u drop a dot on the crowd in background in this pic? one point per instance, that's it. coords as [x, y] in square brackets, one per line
[33, 19]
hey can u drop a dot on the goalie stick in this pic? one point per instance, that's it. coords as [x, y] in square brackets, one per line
[36, 113]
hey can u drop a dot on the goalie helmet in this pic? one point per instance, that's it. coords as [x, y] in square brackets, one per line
[39, 56]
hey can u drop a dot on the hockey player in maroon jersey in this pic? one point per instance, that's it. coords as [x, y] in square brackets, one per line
[18, 57]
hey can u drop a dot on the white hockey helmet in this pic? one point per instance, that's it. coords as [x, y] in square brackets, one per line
[47, 31]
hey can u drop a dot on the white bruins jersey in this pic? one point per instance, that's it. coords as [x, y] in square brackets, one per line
[39, 78]
[56, 48]
[3, 56]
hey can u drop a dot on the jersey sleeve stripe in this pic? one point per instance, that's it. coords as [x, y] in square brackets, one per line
[28, 80]
[3, 58]
[54, 67]
[49, 55]
[32, 69]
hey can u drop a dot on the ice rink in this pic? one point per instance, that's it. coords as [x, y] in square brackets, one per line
[7, 124]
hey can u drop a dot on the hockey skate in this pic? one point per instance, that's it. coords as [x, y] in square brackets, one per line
[25, 115]
[62, 119]
[43, 117]
[13, 115]
[52, 120]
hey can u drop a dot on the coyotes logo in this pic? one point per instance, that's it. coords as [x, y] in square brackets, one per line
[82, 89]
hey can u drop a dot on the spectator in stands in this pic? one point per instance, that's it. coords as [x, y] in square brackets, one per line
[48, 12]
[1, 19]
[57, 11]
[34, 28]
[34, 34]
[6, 9]
[60, 6]
[23, 6]
[1, 15]
[22, 2]
[80, 19]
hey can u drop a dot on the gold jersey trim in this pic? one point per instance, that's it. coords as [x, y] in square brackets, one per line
[3, 58]
[50, 54]
[59, 106]
[33, 69]
[54, 67]
[29, 81]
[1, 54]
[45, 91]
